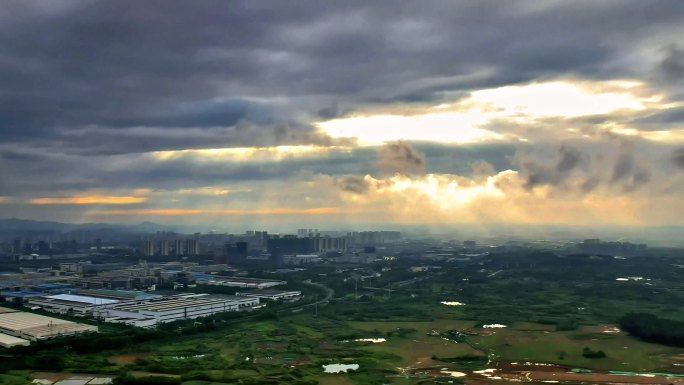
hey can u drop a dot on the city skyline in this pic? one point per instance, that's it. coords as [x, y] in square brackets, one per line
[343, 115]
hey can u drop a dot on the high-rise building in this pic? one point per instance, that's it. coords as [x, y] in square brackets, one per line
[164, 247]
[147, 248]
[191, 247]
[325, 244]
[28, 248]
[16, 246]
[291, 245]
[178, 247]
[43, 247]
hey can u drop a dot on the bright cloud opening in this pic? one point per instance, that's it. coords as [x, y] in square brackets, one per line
[468, 120]
[265, 154]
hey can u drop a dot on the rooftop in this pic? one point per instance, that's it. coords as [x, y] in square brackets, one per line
[20, 293]
[82, 299]
[118, 294]
[166, 304]
[8, 340]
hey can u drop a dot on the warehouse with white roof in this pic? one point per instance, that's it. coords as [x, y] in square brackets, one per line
[33, 327]
[174, 308]
[8, 341]
[80, 305]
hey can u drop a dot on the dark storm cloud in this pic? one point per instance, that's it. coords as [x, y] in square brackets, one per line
[400, 158]
[131, 63]
[84, 83]
[678, 158]
[26, 172]
[615, 163]
[111, 141]
[628, 170]
[660, 121]
[539, 173]
[353, 184]
[672, 64]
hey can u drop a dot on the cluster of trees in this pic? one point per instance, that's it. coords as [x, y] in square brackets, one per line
[588, 353]
[649, 327]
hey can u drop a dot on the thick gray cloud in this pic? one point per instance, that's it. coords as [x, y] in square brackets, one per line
[400, 158]
[207, 63]
[614, 163]
[353, 184]
[539, 173]
[88, 88]
[678, 158]
[672, 64]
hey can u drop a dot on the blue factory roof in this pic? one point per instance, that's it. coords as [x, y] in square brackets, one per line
[20, 293]
[201, 277]
[50, 286]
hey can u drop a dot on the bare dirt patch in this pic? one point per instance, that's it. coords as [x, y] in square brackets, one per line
[126, 359]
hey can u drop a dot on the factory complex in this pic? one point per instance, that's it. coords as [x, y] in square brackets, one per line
[272, 295]
[173, 308]
[135, 308]
[241, 282]
[19, 328]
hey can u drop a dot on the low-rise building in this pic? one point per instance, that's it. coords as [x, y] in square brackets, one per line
[273, 295]
[244, 282]
[8, 341]
[301, 259]
[173, 308]
[121, 295]
[80, 305]
[35, 327]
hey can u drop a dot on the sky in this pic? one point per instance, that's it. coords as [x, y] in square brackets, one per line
[334, 114]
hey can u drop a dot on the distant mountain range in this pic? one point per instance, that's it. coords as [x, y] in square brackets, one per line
[17, 227]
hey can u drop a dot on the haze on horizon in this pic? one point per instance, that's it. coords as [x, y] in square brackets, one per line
[343, 113]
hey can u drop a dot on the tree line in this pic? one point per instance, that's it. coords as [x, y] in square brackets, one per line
[651, 328]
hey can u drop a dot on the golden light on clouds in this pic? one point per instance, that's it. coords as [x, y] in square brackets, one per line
[236, 212]
[498, 198]
[147, 212]
[274, 153]
[562, 99]
[671, 136]
[209, 191]
[90, 200]
[443, 127]
[469, 120]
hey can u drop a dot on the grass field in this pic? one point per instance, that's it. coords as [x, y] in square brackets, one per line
[548, 322]
[565, 348]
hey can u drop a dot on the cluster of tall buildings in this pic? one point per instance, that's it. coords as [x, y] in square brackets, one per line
[167, 247]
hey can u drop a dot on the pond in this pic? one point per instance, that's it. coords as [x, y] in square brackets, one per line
[371, 340]
[452, 303]
[339, 368]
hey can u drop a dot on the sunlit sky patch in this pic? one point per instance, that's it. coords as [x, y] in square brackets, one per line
[464, 121]
[263, 154]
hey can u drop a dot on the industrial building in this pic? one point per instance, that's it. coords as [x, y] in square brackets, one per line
[8, 341]
[19, 295]
[80, 305]
[174, 308]
[34, 327]
[244, 282]
[121, 295]
[273, 295]
[300, 259]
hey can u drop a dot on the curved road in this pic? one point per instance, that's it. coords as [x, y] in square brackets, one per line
[330, 293]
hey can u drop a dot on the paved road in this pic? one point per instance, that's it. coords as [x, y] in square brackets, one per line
[330, 293]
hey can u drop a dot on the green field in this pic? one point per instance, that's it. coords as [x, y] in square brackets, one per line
[551, 317]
